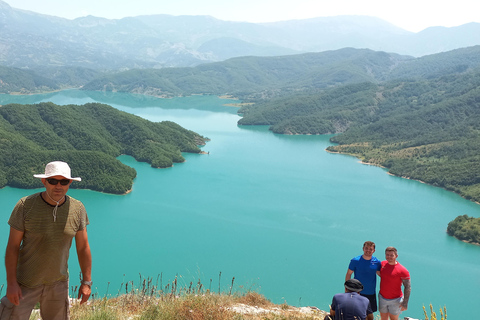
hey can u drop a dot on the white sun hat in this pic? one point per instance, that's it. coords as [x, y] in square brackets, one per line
[57, 168]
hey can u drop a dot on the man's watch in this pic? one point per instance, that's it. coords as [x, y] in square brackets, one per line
[88, 283]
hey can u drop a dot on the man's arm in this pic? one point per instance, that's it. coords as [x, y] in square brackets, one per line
[333, 306]
[370, 316]
[406, 294]
[348, 276]
[85, 261]
[332, 313]
[14, 293]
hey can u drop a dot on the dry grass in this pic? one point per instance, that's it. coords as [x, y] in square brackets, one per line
[151, 301]
[192, 302]
[211, 306]
[433, 314]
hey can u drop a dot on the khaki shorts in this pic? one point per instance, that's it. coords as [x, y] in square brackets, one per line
[53, 303]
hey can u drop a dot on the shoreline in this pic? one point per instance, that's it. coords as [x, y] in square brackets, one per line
[469, 242]
[404, 177]
[40, 92]
[409, 178]
[146, 93]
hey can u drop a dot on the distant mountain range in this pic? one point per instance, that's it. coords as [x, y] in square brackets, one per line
[248, 77]
[30, 40]
[267, 77]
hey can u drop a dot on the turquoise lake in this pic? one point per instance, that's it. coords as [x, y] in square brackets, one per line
[278, 213]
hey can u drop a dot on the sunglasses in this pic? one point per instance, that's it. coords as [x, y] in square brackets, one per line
[54, 182]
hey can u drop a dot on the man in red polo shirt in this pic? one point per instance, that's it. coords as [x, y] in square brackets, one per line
[391, 300]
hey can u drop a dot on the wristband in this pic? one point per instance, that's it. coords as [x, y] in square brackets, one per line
[87, 283]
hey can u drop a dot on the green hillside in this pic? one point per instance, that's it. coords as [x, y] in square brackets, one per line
[13, 80]
[435, 65]
[43, 79]
[89, 137]
[253, 78]
[327, 111]
[247, 76]
[262, 78]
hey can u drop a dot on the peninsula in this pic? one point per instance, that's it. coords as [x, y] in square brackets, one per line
[89, 137]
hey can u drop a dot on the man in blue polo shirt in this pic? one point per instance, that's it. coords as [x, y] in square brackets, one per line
[350, 305]
[365, 269]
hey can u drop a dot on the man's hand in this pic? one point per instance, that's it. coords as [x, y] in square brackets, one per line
[84, 293]
[403, 306]
[14, 293]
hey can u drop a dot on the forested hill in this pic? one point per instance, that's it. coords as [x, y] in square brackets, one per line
[22, 81]
[265, 77]
[89, 137]
[43, 79]
[257, 75]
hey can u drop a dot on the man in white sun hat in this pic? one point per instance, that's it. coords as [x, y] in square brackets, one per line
[42, 227]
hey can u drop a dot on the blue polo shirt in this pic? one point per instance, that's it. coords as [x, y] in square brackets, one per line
[365, 271]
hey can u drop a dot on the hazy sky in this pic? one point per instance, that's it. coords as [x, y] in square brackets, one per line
[412, 15]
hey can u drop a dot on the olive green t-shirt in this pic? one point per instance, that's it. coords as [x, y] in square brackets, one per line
[44, 251]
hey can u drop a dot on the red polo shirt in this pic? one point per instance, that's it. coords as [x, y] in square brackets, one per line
[392, 277]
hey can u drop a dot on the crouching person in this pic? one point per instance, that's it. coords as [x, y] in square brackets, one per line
[350, 305]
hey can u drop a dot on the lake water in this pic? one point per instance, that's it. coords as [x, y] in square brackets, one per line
[278, 213]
